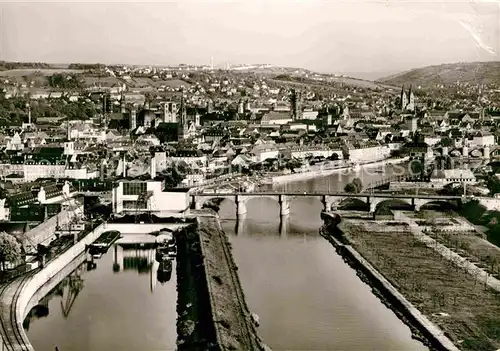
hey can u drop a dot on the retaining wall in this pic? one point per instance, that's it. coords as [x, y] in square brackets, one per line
[145, 228]
[49, 274]
[396, 301]
[48, 277]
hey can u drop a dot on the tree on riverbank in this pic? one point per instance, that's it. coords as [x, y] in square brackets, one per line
[10, 249]
[354, 187]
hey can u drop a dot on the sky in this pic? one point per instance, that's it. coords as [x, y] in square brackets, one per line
[325, 36]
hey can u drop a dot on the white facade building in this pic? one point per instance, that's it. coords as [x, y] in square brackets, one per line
[147, 196]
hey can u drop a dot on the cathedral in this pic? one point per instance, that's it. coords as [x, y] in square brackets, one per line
[407, 100]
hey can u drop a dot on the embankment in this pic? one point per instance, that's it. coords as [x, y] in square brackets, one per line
[212, 312]
[323, 172]
[422, 329]
[19, 296]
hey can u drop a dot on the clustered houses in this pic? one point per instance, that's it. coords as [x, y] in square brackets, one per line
[206, 123]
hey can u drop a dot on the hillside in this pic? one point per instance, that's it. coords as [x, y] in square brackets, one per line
[471, 72]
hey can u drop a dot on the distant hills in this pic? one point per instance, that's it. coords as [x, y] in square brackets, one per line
[466, 72]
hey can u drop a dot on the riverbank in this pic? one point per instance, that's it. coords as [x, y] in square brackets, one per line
[294, 177]
[443, 294]
[20, 295]
[211, 293]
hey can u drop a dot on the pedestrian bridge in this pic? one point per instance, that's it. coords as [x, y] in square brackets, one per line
[330, 201]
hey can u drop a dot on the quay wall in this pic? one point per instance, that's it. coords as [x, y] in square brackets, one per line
[42, 281]
[326, 172]
[430, 334]
[50, 273]
[137, 228]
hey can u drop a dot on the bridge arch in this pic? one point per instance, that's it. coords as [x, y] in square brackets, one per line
[476, 152]
[376, 204]
[422, 204]
[202, 201]
[495, 152]
[455, 152]
[299, 201]
[353, 203]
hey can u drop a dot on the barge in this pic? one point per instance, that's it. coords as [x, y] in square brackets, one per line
[104, 242]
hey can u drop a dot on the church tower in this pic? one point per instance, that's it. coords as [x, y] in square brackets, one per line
[182, 127]
[404, 99]
[296, 100]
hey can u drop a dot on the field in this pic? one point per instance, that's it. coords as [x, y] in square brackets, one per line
[102, 81]
[471, 72]
[467, 311]
[473, 248]
[36, 71]
[345, 80]
[148, 82]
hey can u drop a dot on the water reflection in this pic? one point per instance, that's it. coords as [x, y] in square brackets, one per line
[306, 296]
[138, 257]
[68, 290]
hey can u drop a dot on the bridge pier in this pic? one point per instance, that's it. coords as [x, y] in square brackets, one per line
[284, 224]
[327, 203]
[118, 258]
[241, 208]
[486, 152]
[197, 205]
[239, 228]
[284, 205]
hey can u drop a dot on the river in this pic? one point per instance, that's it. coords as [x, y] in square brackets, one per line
[307, 298]
[126, 310]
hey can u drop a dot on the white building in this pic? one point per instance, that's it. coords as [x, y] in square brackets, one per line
[443, 177]
[147, 196]
[483, 139]
[265, 151]
[302, 152]
[309, 114]
[369, 154]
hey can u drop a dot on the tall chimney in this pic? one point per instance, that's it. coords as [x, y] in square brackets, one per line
[152, 168]
[124, 166]
[133, 118]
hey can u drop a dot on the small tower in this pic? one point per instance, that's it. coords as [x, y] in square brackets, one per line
[182, 126]
[296, 100]
[404, 99]
[133, 118]
[241, 107]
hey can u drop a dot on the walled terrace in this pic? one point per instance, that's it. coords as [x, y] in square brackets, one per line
[445, 305]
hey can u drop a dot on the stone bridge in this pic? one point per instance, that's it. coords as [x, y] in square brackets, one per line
[467, 151]
[330, 201]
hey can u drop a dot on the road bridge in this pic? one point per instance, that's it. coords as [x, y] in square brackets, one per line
[330, 201]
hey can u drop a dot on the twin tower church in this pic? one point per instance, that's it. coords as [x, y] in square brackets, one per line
[407, 100]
